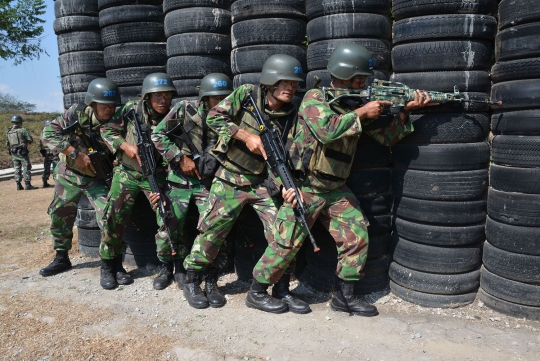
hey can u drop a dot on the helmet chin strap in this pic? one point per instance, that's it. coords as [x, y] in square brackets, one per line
[272, 92]
[151, 110]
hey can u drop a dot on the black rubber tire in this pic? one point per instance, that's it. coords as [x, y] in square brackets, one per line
[319, 52]
[516, 70]
[187, 87]
[369, 285]
[89, 237]
[198, 20]
[521, 122]
[345, 26]
[443, 186]
[444, 26]
[364, 181]
[316, 8]
[79, 41]
[250, 59]
[247, 78]
[73, 98]
[134, 55]
[516, 150]
[88, 251]
[68, 24]
[432, 300]
[132, 32]
[440, 55]
[518, 42]
[198, 43]
[439, 235]
[509, 290]
[324, 75]
[512, 13]
[516, 94]
[128, 93]
[197, 66]
[514, 179]
[379, 224]
[78, 82]
[376, 203]
[440, 284]
[81, 62]
[378, 245]
[243, 270]
[169, 5]
[370, 154]
[513, 266]
[441, 157]
[467, 81]
[132, 76]
[255, 9]
[75, 7]
[509, 308]
[402, 9]
[133, 13]
[268, 31]
[517, 209]
[86, 218]
[448, 128]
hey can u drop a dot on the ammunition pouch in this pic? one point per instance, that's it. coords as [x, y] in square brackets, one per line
[22, 151]
[271, 187]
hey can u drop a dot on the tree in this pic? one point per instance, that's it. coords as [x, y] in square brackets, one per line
[9, 103]
[20, 30]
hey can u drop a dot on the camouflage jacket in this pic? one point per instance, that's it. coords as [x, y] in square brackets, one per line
[54, 137]
[19, 137]
[319, 126]
[119, 130]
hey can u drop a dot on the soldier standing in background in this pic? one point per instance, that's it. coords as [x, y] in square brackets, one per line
[17, 140]
[75, 173]
[185, 182]
[49, 159]
[121, 137]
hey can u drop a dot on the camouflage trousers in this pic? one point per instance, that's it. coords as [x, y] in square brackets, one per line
[340, 213]
[126, 185]
[22, 167]
[48, 164]
[225, 203]
[68, 189]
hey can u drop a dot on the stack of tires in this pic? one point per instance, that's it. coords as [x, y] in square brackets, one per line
[198, 41]
[510, 281]
[363, 22]
[88, 229]
[261, 29]
[440, 177]
[79, 47]
[133, 41]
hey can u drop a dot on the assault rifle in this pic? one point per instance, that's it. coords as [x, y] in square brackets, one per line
[99, 158]
[149, 168]
[277, 161]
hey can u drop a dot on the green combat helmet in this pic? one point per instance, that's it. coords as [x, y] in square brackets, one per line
[215, 84]
[155, 83]
[103, 91]
[349, 60]
[16, 119]
[281, 67]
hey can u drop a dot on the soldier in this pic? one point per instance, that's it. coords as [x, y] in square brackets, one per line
[184, 181]
[17, 140]
[49, 159]
[322, 150]
[242, 179]
[121, 137]
[75, 173]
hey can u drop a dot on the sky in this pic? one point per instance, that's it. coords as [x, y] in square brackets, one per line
[37, 81]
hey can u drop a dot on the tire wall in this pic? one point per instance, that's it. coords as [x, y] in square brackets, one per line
[510, 280]
[440, 175]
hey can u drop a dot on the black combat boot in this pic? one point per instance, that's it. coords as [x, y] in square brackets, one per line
[165, 276]
[179, 273]
[122, 277]
[29, 186]
[108, 270]
[344, 300]
[60, 263]
[192, 290]
[215, 298]
[258, 298]
[19, 186]
[281, 291]
[45, 184]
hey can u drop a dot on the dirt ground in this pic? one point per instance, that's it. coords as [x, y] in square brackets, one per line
[70, 317]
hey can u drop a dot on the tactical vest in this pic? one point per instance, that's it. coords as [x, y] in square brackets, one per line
[15, 137]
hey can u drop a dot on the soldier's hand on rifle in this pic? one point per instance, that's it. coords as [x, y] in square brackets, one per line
[83, 161]
[154, 200]
[131, 151]
[289, 196]
[253, 142]
[421, 99]
[189, 167]
[372, 110]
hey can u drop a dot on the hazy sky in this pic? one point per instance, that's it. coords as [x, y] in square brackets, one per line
[37, 81]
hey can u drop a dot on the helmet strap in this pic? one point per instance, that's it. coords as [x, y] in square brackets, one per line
[151, 110]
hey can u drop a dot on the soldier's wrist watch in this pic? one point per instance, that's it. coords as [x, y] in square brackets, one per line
[73, 155]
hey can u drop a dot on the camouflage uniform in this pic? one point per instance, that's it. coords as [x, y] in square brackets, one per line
[239, 179]
[17, 140]
[322, 151]
[49, 160]
[128, 179]
[72, 181]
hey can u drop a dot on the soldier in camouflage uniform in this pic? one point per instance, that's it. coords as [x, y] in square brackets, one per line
[242, 179]
[75, 173]
[323, 146]
[128, 180]
[49, 159]
[184, 183]
[17, 140]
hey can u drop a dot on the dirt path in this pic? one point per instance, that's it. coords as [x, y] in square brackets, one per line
[69, 316]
